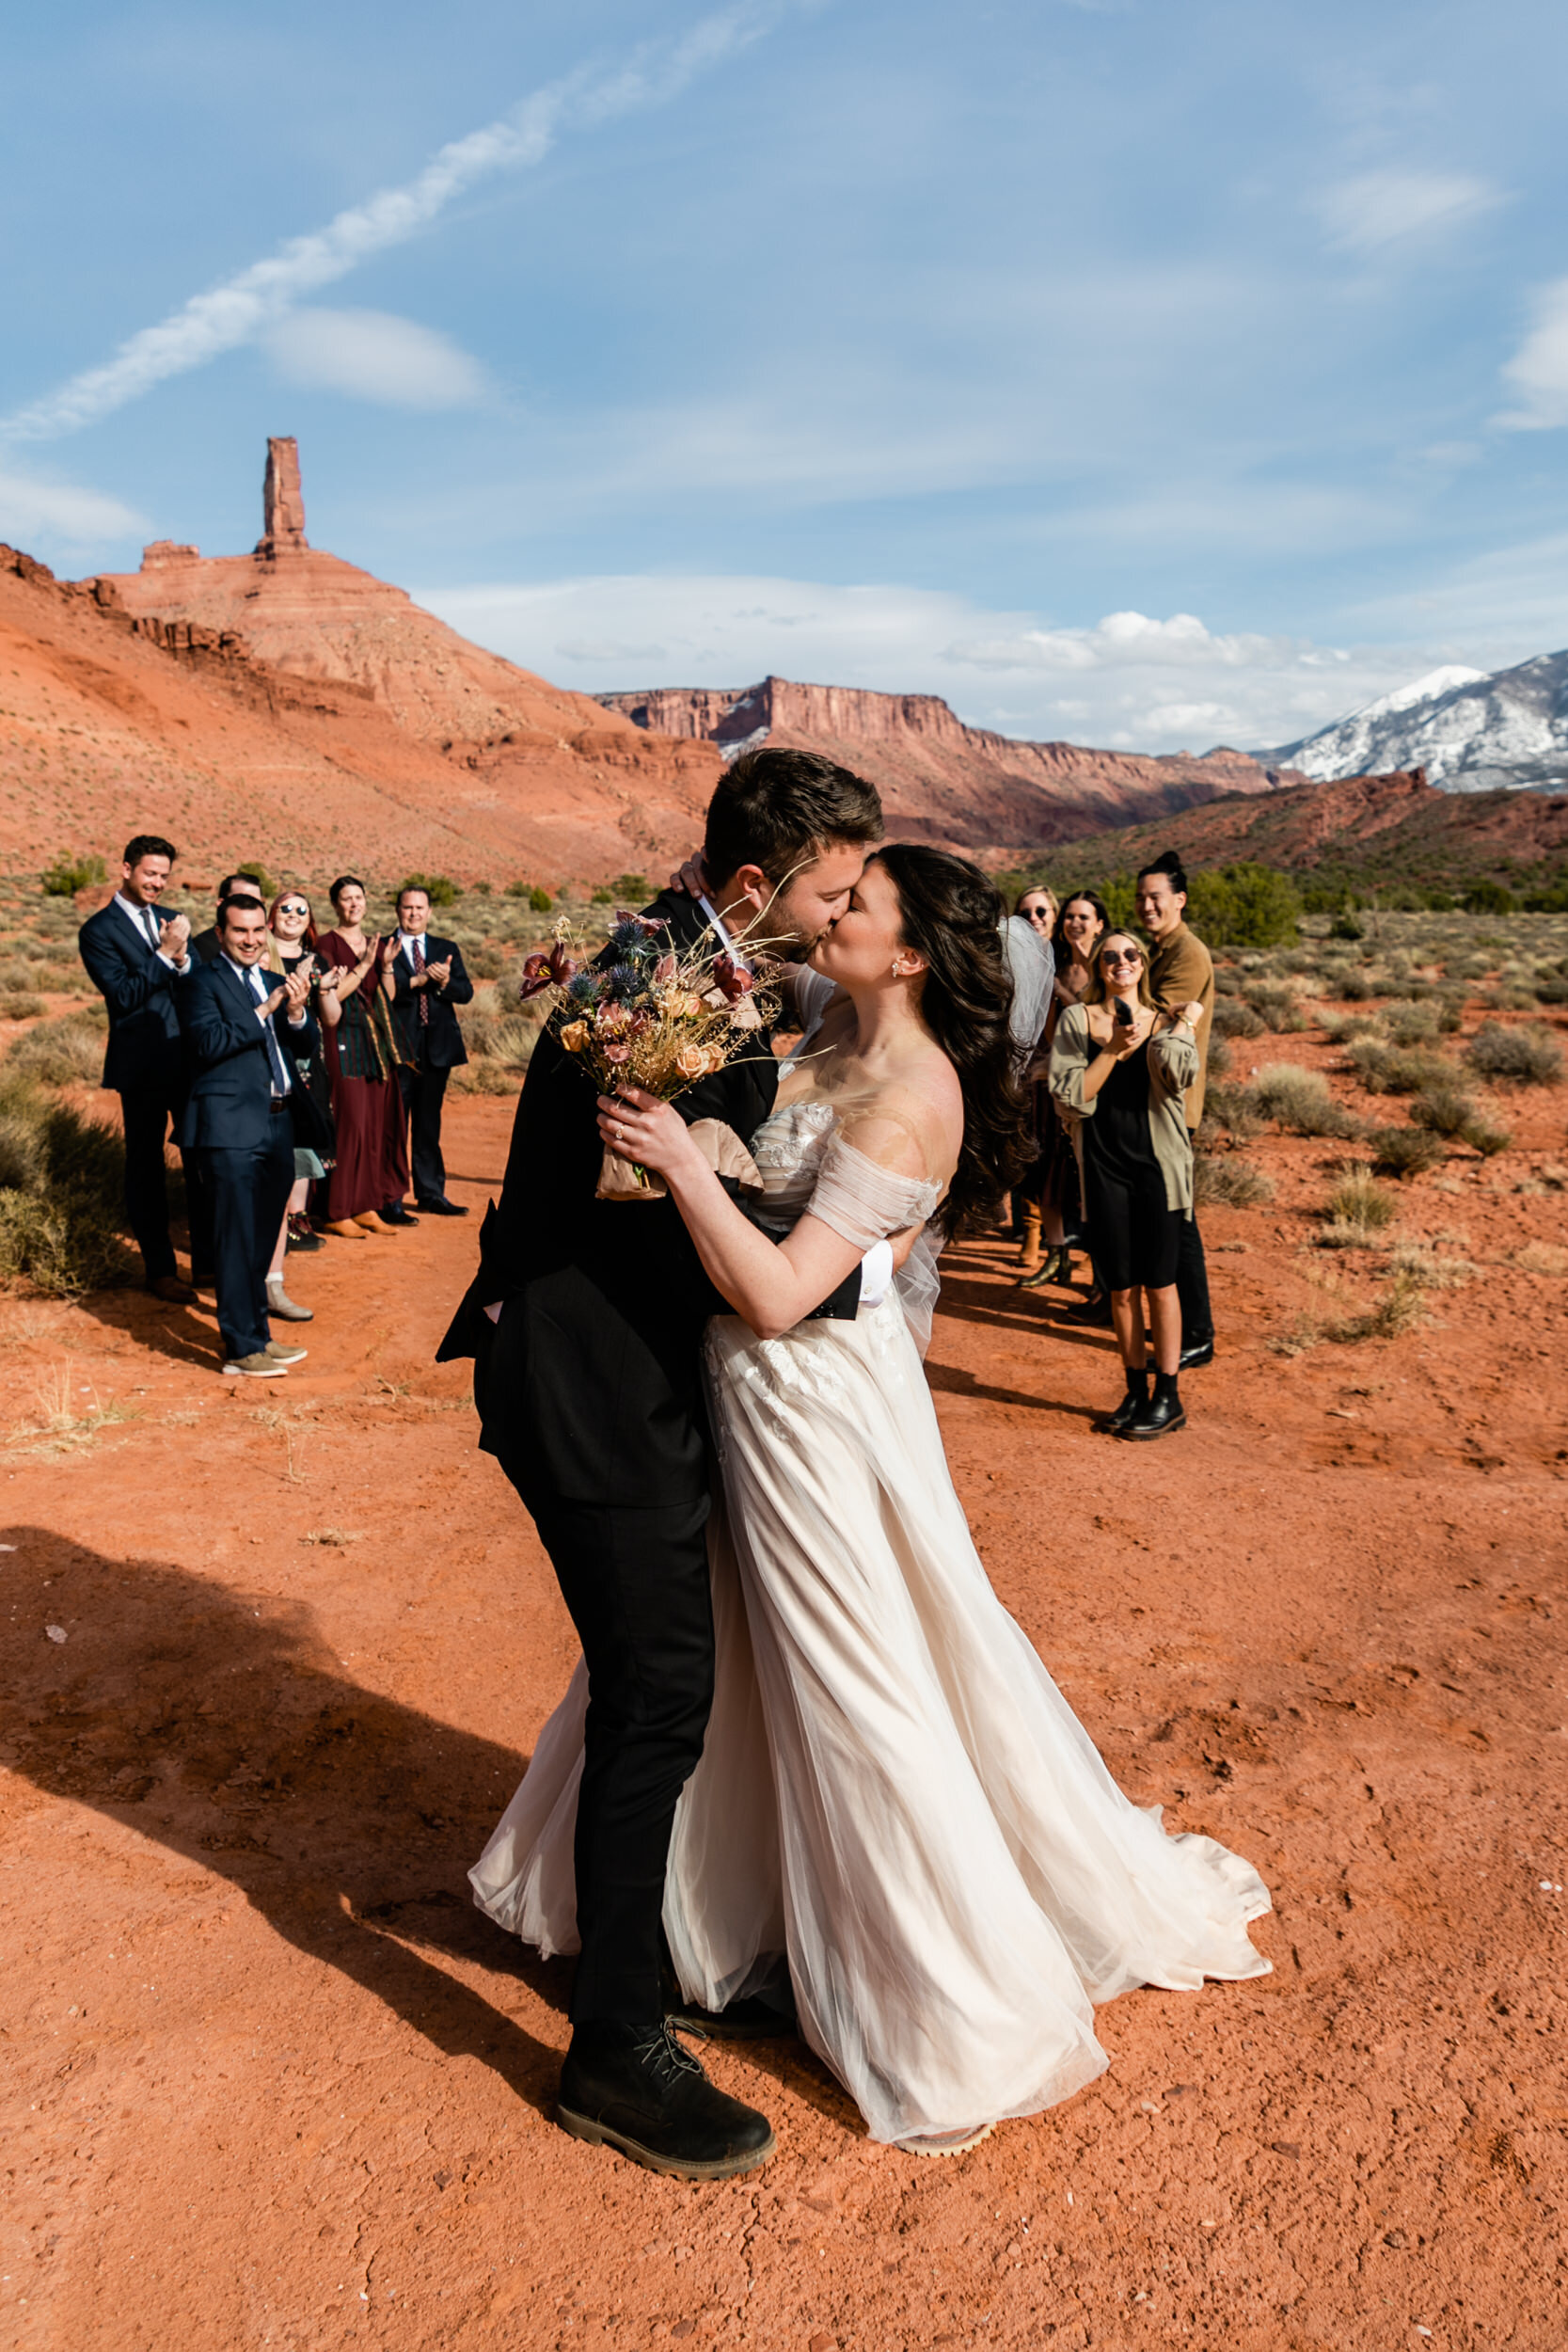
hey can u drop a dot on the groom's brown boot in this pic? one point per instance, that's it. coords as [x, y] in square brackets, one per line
[634, 2088]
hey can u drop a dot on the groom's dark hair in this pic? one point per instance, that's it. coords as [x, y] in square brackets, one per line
[777, 810]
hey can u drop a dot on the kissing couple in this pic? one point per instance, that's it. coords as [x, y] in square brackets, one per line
[809, 1775]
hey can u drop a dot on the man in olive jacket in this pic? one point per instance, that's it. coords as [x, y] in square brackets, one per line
[1181, 972]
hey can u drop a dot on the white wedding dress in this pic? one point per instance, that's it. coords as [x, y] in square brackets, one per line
[893, 1790]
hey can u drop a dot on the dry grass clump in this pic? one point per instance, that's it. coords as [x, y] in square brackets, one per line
[1276, 1006]
[1227, 1181]
[62, 1184]
[1231, 1107]
[1419, 1261]
[1344, 1028]
[1232, 1017]
[1360, 1210]
[1542, 1256]
[62, 1420]
[67, 1052]
[1412, 1021]
[1443, 1108]
[1300, 1101]
[1405, 1151]
[1521, 1058]
[1389, 1070]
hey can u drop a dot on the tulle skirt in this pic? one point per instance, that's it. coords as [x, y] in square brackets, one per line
[892, 1792]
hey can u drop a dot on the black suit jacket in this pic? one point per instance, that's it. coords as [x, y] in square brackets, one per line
[231, 1087]
[590, 1389]
[204, 946]
[436, 1043]
[144, 998]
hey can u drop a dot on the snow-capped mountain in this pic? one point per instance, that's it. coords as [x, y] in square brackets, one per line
[1471, 730]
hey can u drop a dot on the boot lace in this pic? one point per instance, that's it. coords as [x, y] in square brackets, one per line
[664, 2057]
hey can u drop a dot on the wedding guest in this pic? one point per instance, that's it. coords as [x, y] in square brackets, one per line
[1082, 920]
[238, 1122]
[1119, 1066]
[291, 947]
[1180, 970]
[139, 961]
[205, 947]
[428, 980]
[372, 1167]
[1035, 906]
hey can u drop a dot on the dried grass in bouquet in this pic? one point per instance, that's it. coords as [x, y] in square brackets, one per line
[647, 1013]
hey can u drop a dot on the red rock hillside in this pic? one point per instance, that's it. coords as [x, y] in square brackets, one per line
[942, 780]
[286, 705]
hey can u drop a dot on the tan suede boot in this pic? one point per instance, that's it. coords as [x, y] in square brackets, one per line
[1031, 1256]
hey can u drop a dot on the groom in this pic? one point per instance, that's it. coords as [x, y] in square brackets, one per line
[589, 1387]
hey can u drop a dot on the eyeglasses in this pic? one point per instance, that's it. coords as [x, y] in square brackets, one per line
[1038, 914]
[1111, 956]
[291, 907]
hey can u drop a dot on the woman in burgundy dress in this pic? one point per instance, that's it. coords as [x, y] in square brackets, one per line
[371, 1172]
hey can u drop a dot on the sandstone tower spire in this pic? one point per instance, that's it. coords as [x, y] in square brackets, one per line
[282, 500]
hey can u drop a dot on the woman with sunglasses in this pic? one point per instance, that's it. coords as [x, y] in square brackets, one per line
[1119, 1068]
[1083, 918]
[292, 943]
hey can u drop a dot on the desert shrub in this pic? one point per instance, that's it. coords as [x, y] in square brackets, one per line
[486, 963]
[1485, 1139]
[1451, 1012]
[1489, 897]
[62, 1182]
[1276, 1006]
[631, 887]
[21, 1008]
[1233, 1018]
[1358, 1198]
[1443, 1109]
[70, 875]
[1299, 1101]
[1229, 1107]
[1218, 1064]
[602, 897]
[1419, 1261]
[67, 1052]
[486, 1076]
[1345, 925]
[483, 889]
[1409, 1023]
[1384, 1069]
[1244, 905]
[1342, 1029]
[439, 888]
[1225, 1180]
[1515, 1056]
[1405, 1151]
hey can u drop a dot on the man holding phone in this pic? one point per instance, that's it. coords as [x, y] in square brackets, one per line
[1181, 974]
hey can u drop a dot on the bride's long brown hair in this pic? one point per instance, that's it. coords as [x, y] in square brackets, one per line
[952, 914]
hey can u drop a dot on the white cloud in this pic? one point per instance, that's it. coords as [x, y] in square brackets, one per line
[237, 311]
[997, 669]
[1378, 208]
[1538, 372]
[62, 513]
[372, 355]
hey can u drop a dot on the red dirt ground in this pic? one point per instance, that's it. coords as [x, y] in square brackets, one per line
[271, 2080]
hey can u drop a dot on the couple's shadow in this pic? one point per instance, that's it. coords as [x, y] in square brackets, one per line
[222, 1728]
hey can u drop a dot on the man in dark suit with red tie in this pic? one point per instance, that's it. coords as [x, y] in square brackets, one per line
[140, 962]
[238, 1124]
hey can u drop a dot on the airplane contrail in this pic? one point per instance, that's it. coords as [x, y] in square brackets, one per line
[233, 313]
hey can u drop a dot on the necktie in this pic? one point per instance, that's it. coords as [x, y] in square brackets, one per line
[153, 933]
[416, 949]
[275, 1051]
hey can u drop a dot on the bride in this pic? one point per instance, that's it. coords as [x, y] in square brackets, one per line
[894, 1794]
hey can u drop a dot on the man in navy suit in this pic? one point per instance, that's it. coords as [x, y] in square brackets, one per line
[237, 1123]
[140, 962]
[428, 980]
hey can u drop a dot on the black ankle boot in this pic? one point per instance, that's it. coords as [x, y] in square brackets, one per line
[634, 2087]
[1133, 1403]
[1163, 1412]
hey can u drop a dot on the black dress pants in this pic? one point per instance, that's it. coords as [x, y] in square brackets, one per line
[145, 1112]
[424, 1092]
[251, 1189]
[636, 1586]
[1192, 1286]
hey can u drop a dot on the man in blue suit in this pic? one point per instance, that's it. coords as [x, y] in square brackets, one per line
[237, 1123]
[139, 961]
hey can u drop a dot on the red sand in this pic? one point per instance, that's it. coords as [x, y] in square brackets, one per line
[271, 2080]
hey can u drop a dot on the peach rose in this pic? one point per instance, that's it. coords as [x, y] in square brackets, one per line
[575, 1037]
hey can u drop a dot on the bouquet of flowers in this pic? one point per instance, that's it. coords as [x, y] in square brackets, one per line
[645, 1013]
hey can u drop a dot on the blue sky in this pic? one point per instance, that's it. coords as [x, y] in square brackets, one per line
[1151, 374]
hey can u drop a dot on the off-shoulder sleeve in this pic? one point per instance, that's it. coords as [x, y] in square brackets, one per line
[881, 1173]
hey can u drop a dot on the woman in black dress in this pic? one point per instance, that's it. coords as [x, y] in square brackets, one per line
[1119, 1067]
[1083, 919]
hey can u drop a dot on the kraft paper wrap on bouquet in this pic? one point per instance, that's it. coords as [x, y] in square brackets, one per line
[623, 1180]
